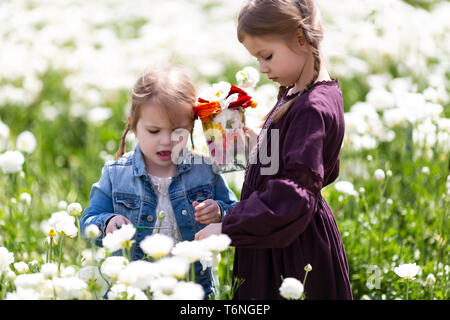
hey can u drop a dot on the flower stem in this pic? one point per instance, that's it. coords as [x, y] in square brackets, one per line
[304, 283]
[78, 241]
[407, 289]
[60, 253]
[50, 250]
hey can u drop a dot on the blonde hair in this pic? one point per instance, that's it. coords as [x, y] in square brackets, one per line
[168, 87]
[283, 18]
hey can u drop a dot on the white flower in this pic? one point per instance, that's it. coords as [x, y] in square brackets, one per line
[26, 142]
[430, 280]
[91, 273]
[69, 288]
[345, 187]
[11, 161]
[291, 288]
[99, 114]
[6, 258]
[216, 243]
[407, 271]
[379, 175]
[67, 228]
[49, 269]
[163, 287]
[176, 267]
[247, 77]
[25, 197]
[116, 240]
[308, 267]
[188, 291]
[92, 231]
[74, 209]
[113, 265]
[217, 92]
[60, 219]
[62, 205]
[21, 267]
[138, 274]
[157, 245]
[191, 250]
[23, 294]
[120, 291]
[89, 255]
[29, 281]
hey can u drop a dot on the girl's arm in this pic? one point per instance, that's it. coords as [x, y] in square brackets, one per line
[100, 208]
[276, 216]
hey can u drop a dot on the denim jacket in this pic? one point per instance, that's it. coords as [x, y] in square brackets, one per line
[125, 188]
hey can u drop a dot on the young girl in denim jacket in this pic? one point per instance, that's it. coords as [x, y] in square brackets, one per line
[160, 174]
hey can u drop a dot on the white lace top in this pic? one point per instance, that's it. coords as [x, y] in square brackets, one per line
[169, 226]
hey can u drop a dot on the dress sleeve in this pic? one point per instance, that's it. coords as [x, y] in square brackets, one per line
[277, 215]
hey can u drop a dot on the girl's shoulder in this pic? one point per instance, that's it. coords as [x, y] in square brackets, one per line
[124, 160]
[325, 98]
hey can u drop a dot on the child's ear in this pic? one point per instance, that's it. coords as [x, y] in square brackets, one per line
[130, 121]
[300, 37]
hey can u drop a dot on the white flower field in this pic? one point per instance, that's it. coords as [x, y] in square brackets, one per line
[66, 72]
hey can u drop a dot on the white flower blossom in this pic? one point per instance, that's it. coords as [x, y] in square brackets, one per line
[26, 142]
[345, 187]
[113, 265]
[191, 250]
[21, 267]
[379, 175]
[6, 258]
[116, 240]
[291, 288]
[120, 291]
[407, 271]
[11, 161]
[157, 245]
[92, 231]
[74, 209]
[247, 77]
[188, 291]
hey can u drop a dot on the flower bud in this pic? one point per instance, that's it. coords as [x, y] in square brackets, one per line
[308, 268]
[430, 280]
[74, 209]
[379, 175]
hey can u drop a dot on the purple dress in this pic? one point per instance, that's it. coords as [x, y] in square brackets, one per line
[282, 222]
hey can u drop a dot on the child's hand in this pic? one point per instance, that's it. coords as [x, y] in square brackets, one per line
[251, 135]
[116, 221]
[207, 211]
[214, 228]
[250, 132]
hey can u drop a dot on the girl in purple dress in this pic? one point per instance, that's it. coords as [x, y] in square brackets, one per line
[282, 222]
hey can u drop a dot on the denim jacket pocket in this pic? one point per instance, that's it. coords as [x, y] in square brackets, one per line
[127, 205]
[200, 193]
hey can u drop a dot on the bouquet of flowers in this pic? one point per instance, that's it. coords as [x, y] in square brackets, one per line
[221, 110]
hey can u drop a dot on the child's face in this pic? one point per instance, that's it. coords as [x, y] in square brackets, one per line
[282, 62]
[154, 133]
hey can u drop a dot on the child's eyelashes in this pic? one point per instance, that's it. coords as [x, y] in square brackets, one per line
[268, 57]
[153, 131]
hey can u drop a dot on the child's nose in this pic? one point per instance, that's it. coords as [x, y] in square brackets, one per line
[263, 68]
[166, 139]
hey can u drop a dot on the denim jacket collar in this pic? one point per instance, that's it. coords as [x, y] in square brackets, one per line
[139, 163]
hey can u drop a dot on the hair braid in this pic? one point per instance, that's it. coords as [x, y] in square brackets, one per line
[122, 146]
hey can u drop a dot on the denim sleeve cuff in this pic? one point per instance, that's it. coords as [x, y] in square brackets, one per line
[224, 208]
